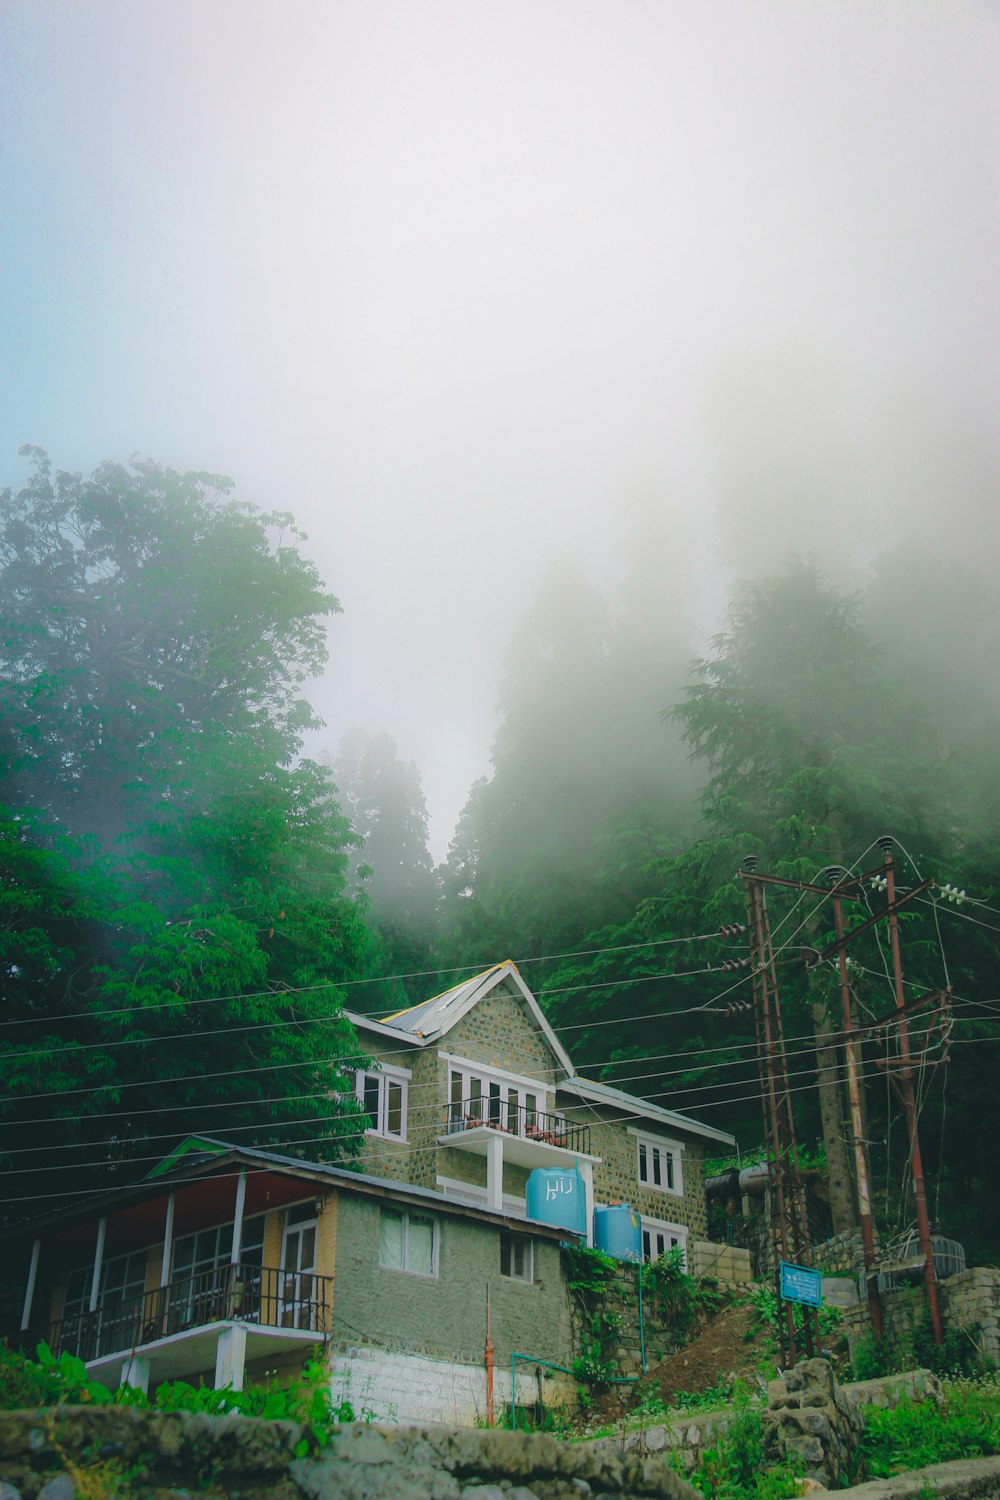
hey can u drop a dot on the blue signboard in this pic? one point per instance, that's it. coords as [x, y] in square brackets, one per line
[801, 1284]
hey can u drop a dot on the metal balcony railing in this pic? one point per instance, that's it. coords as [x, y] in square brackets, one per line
[243, 1293]
[516, 1119]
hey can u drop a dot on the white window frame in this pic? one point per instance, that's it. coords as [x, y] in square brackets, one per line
[670, 1236]
[384, 1075]
[526, 1276]
[406, 1214]
[517, 1084]
[652, 1148]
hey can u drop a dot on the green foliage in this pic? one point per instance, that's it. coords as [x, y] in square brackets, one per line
[913, 1434]
[63, 1381]
[762, 1298]
[735, 1468]
[169, 872]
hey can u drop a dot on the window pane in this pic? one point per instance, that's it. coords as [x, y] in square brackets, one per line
[643, 1170]
[307, 1258]
[456, 1088]
[669, 1155]
[394, 1122]
[655, 1153]
[372, 1098]
[646, 1247]
[505, 1240]
[420, 1245]
[390, 1239]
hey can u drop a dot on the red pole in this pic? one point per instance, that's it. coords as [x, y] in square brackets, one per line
[488, 1360]
[909, 1105]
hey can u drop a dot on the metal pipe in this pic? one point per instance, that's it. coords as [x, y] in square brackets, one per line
[642, 1327]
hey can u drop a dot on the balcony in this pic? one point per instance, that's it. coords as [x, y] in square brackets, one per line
[530, 1137]
[176, 1327]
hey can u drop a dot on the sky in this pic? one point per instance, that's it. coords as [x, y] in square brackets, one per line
[471, 285]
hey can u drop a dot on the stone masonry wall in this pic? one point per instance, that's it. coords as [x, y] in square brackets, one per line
[617, 1174]
[411, 1160]
[970, 1300]
[501, 1033]
[222, 1458]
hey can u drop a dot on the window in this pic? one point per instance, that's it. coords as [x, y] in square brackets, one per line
[383, 1098]
[122, 1288]
[407, 1242]
[516, 1257]
[658, 1238]
[200, 1290]
[659, 1164]
[477, 1096]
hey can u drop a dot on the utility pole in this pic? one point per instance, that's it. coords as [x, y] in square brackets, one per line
[904, 1086]
[770, 1048]
[788, 1225]
[857, 1126]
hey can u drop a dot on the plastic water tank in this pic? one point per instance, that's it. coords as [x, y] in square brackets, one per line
[555, 1196]
[618, 1231]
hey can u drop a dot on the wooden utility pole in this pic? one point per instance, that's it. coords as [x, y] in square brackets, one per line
[788, 1224]
[900, 1074]
[904, 1084]
[857, 1126]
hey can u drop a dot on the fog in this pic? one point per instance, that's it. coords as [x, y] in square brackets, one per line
[685, 286]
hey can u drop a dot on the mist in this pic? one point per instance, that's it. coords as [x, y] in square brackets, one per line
[512, 303]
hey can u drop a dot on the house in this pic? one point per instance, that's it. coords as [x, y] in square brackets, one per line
[228, 1261]
[472, 1090]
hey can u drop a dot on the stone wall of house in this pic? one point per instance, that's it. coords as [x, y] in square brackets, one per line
[616, 1176]
[411, 1160]
[444, 1316]
[222, 1458]
[502, 1033]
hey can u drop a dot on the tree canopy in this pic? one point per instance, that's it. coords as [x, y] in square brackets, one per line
[172, 879]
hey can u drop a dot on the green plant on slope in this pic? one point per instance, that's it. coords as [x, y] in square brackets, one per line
[913, 1434]
[735, 1469]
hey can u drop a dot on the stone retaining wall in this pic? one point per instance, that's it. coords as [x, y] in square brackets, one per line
[56, 1455]
[970, 1300]
[963, 1479]
[727, 1263]
[808, 1413]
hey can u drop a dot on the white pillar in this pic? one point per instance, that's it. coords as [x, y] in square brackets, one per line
[29, 1291]
[230, 1357]
[494, 1170]
[135, 1372]
[168, 1242]
[241, 1198]
[95, 1285]
[587, 1173]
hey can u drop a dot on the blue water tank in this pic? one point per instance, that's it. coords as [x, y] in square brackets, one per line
[618, 1231]
[555, 1196]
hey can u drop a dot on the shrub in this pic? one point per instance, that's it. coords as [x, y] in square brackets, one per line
[913, 1434]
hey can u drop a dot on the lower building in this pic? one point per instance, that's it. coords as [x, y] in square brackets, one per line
[228, 1263]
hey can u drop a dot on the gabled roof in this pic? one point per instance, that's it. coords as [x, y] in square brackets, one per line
[204, 1155]
[426, 1023]
[433, 1019]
